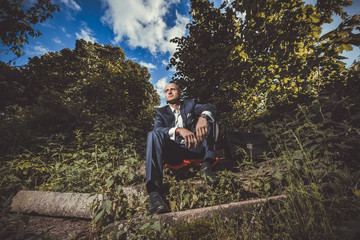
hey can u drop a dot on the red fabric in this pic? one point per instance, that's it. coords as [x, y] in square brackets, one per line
[187, 162]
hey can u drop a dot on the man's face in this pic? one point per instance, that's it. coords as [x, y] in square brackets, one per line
[172, 93]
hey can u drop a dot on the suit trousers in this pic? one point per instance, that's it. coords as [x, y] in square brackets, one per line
[160, 149]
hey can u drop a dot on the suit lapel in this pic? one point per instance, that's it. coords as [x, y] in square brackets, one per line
[171, 116]
[183, 113]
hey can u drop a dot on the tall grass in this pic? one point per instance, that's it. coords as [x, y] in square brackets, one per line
[318, 153]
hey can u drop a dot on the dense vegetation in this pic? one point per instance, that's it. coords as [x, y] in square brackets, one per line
[250, 56]
[68, 114]
[17, 22]
[74, 120]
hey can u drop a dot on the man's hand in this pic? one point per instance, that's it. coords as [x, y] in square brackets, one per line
[201, 129]
[189, 137]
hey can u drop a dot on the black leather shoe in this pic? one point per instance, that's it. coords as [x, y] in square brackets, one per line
[206, 169]
[157, 204]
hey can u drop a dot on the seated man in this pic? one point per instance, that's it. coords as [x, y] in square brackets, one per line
[173, 140]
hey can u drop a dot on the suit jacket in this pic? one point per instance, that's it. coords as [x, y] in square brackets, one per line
[189, 110]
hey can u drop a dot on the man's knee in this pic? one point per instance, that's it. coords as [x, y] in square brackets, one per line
[155, 135]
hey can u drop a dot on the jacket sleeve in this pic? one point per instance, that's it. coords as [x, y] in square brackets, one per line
[208, 107]
[159, 124]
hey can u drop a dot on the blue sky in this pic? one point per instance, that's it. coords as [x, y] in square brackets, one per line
[143, 28]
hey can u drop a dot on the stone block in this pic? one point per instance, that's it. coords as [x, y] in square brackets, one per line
[54, 203]
[181, 217]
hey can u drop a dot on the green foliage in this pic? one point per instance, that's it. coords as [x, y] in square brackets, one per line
[74, 121]
[198, 229]
[75, 89]
[195, 193]
[78, 165]
[92, 79]
[249, 56]
[72, 118]
[11, 86]
[17, 20]
[149, 229]
[328, 130]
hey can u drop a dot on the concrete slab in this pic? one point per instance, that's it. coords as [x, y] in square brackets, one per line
[187, 216]
[54, 204]
[78, 204]
[59, 204]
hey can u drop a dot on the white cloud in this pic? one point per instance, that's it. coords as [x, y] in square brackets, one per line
[142, 23]
[148, 65]
[86, 33]
[57, 40]
[71, 4]
[47, 24]
[160, 87]
[172, 69]
[166, 64]
[39, 50]
[64, 31]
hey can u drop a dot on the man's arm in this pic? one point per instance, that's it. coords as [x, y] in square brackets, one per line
[208, 109]
[159, 124]
[206, 113]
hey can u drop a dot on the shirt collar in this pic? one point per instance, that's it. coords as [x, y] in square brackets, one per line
[173, 109]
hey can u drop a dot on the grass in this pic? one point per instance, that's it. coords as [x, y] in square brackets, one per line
[316, 167]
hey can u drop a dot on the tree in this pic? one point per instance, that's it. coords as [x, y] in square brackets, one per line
[252, 55]
[92, 79]
[93, 89]
[203, 55]
[11, 86]
[17, 22]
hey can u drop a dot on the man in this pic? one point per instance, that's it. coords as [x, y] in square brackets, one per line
[181, 131]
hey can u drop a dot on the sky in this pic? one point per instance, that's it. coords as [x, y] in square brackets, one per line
[143, 28]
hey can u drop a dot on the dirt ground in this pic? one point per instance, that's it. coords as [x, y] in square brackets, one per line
[40, 227]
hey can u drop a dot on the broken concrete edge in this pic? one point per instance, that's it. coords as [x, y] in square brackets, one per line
[187, 216]
[76, 205]
[59, 204]
[55, 204]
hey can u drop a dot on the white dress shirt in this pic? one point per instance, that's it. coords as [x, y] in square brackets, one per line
[179, 122]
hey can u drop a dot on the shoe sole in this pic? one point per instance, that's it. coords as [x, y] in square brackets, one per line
[160, 210]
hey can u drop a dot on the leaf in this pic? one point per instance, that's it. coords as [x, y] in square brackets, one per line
[144, 198]
[118, 189]
[278, 176]
[131, 176]
[186, 198]
[109, 182]
[156, 226]
[182, 189]
[267, 187]
[347, 47]
[173, 205]
[298, 155]
[107, 206]
[357, 192]
[118, 234]
[146, 225]
[99, 215]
